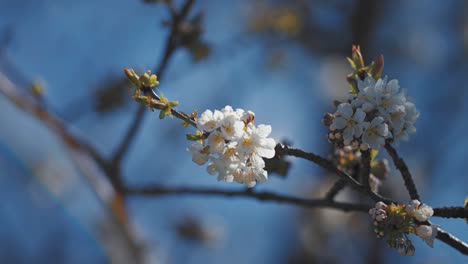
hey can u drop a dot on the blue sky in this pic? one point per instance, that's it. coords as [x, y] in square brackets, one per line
[72, 46]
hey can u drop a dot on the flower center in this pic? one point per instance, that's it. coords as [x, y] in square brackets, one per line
[247, 142]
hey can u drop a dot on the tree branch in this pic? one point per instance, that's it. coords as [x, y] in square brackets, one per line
[328, 165]
[159, 190]
[88, 160]
[365, 168]
[339, 185]
[170, 48]
[451, 212]
[452, 241]
[405, 173]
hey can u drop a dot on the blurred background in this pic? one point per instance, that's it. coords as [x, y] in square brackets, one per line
[284, 60]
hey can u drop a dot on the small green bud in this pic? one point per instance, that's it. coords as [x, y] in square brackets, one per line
[149, 80]
[166, 110]
[132, 77]
[199, 137]
[37, 89]
[357, 57]
[377, 67]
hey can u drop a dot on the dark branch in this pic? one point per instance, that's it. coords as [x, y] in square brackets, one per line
[365, 168]
[158, 190]
[170, 48]
[452, 241]
[451, 212]
[405, 173]
[335, 189]
[328, 165]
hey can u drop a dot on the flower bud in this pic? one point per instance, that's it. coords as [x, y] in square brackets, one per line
[348, 149]
[381, 217]
[327, 119]
[423, 213]
[381, 205]
[424, 231]
[402, 249]
[410, 249]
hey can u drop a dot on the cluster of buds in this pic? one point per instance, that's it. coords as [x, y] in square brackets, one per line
[233, 145]
[144, 94]
[396, 222]
[349, 159]
[375, 112]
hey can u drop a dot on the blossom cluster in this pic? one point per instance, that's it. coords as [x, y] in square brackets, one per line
[379, 111]
[233, 146]
[397, 221]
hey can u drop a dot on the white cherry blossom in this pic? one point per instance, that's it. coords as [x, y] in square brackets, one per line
[351, 121]
[376, 133]
[423, 213]
[198, 154]
[209, 121]
[235, 147]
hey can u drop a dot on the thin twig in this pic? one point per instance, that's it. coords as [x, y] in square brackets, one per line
[328, 165]
[405, 173]
[170, 48]
[159, 190]
[451, 212]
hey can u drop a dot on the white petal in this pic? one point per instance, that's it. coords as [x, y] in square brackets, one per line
[367, 106]
[345, 110]
[257, 161]
[251, 184]
[266, 148]
[359, 116]
[263, 130]
[376, 121]
[262, 176]
[339, 123]
[348, 134]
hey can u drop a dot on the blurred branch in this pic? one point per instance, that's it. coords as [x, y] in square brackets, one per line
[339, 185]
[405, 173]
[90, 162]
[30, 105]
[171, 46]
[159, 190]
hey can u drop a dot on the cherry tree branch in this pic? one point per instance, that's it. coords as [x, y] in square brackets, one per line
[451, 212]
[90, 162]
[339, 185]
[365, 168]
[405, 173]
[328, 165]
[160, 190]
[170, 48]
[452, 241]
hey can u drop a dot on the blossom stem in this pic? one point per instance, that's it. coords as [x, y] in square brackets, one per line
[328, 165]
[405, 173]
[159, 190]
